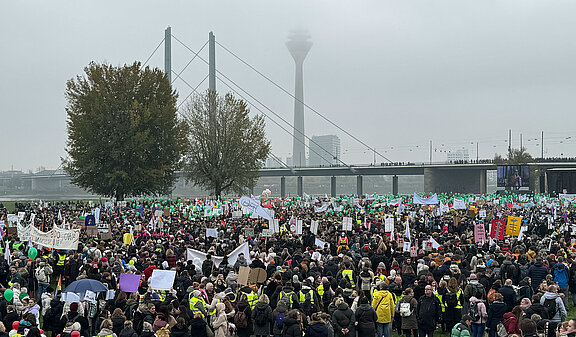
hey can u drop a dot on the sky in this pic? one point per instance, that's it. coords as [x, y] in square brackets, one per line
[395, 74]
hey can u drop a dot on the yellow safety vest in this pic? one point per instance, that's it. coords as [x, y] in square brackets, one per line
[348, 273]
[459, 305]
[283, 294]
[252, 298]
[303, 296]
[320, 290]
[162, 295]
[192, 301]
[440, 298]
[61, 260]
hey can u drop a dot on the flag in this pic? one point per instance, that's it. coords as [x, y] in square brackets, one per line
[407, 232]
[7, 254]
[513, 225]
[59, 215]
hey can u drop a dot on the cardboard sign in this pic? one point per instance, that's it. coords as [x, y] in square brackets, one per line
[428, 246]
[103, 228]
[166, 212]
[92, 231]
[257, 275]
[413, 251]
[243, 275]
[267, 232]
[162, 279]
[105, 236]
[471, 213]
[248, 232]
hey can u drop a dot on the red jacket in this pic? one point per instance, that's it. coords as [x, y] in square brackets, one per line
[148, 271]
[511, 323]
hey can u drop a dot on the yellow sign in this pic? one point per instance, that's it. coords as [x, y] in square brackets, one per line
[128, 238]
[513, 225]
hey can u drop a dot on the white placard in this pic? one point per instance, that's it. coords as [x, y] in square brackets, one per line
[314, 227]
[482, 213]
[110, 294]
[162, 279]
[346, 223]
[316, 256]
[211, 232]
[319, 243]
[90, 296]
[299, 227]
[275, 226]
[389, 225]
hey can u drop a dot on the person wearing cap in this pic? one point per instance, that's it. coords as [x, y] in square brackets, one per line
[462, 329]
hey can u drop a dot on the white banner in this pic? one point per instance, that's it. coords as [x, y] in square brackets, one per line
[198, 257]
[320, 209]
[433, 200]
[299, 227]
[56, 238]
[211, 232]
[319, 243]
[254, 206]
[389, 225]
[346, 223]
[314, 227]
[459, 204]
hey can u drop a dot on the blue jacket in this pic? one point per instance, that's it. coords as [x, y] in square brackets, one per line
[560, 273]
[537, 273]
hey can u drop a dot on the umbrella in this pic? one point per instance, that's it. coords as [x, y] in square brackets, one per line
[81, 286]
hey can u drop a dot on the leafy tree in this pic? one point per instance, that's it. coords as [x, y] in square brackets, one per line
[226, 146]
[124, 137]
[515, 157]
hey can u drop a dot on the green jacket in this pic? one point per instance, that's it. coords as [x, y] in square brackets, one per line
[460, 330]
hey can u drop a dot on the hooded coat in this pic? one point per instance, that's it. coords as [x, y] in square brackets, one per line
[383, 303]
[366, 318]
[344, 318]
[561, 313]
[280, 309]
[317, 329]
[220, 325]
[264, 309]
[410, 322]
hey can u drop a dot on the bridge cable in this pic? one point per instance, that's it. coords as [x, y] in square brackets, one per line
[306, 105]
[149, 57]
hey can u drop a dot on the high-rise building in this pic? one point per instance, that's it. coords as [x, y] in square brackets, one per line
[299, 45]
[324, 150]
[457, 156]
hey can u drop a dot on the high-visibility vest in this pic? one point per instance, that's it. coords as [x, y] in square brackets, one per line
[303, 296]
[459, 305]
[192, 301]
[252, 298]
[289, 295]
[348, 273]
[342, 241]
[320, 290]
[61, 259]
[440, 298]
[162, 295]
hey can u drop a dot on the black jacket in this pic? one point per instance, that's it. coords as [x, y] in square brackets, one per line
[177, 332]
[429, 312]
[291, 328]
[509, 296]
[317, 329]
[344, 318]
[496, 311]
[537, 273]
[128, 332]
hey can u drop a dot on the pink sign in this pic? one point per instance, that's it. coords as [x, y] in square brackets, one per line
[479, 233]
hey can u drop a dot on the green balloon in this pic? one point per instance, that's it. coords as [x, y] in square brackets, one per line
[8, 294]
[32, 253]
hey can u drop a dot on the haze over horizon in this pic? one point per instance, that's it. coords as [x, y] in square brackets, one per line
[394, 74]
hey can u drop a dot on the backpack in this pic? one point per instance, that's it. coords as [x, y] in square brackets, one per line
[501, 330]
[523, 271]
[280, 320]
[41, 275]
[474, 312]
[550, 305]
[163, 332]
[260, 316]
[405, 309]
[240, 320]
[458, 327]
[451, 300]
[561, 275]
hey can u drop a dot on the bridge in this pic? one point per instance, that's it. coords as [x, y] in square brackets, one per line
[545, 177]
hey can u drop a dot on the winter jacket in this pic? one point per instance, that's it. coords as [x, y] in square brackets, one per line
[291, 328]
[198, 327]
[511, 323]
[128, 332]
[343, 318]
[509, 296]
[481, 310]
[280, 309]
[460, 330]
[262, 308]
[220, 325]
[180, 332]
[317, 329]
[537, 308]
[106, 332]
[561, 274]
[383, 303]
[410, 322]
[561, 313]
[537, 272]
[366, 318]
[428, 313]
[496, 311]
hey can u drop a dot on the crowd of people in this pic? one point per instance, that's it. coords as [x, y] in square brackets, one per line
[368, 280]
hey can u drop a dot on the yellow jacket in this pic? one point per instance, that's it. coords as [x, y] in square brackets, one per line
[383, 303]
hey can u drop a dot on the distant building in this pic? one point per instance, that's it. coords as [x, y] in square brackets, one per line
[457, 156]
[274, 162]
[324, 150]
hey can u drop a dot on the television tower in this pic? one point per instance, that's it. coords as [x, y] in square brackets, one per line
[299, 45]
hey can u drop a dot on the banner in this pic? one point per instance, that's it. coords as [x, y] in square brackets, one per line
[346, 223]
[479, 233]
[459, 204]
[254, 206]
[56, 238]
[498, 229]
[389, 225]
[513, 225]
[319, 243]
[320, 209]
[433, 200]
[314, 227]
[198, 257]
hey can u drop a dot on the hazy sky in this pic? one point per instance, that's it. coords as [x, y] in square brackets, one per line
[396, 74]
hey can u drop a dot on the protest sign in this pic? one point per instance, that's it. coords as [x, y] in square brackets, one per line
[479, 233]
[128, 238]
[319, 243]
[211, 232]
[267, 232]
[459, 204]
[243, 275]
[498, 229]
[482, 213]
[314, 227]
[275, 226]
[129, 282]
[299, 227]
[56, 238]
[90, 296]
[389, 225]
[197, 257]
[103, 227]
[346, 223]
[257, 275]
[253, 206]
[162, 279]
[513, 225]
[249, 232]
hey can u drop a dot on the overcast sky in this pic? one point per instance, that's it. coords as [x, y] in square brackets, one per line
[395, 74]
